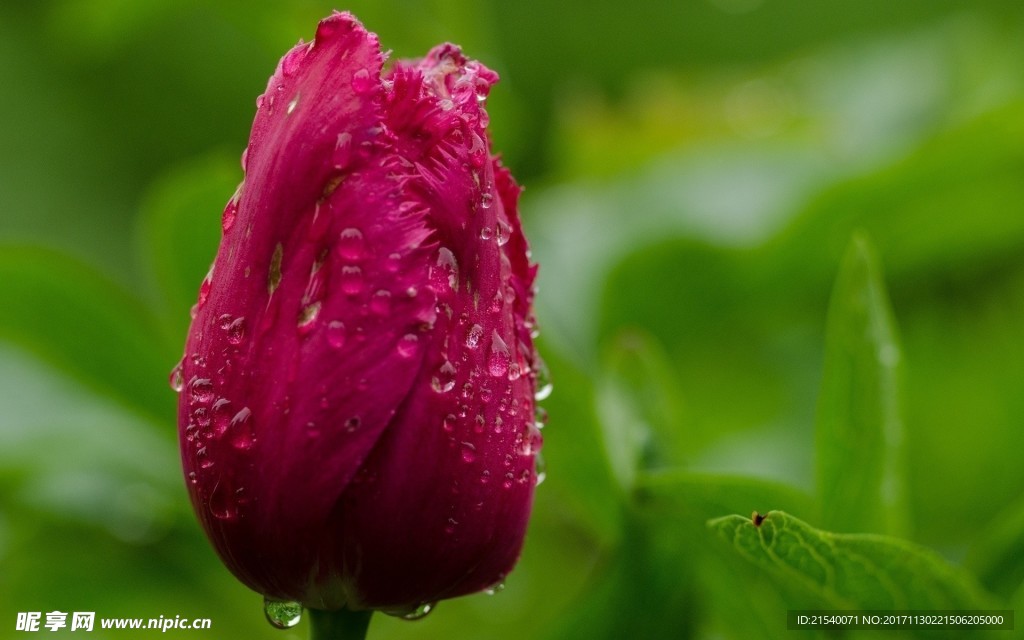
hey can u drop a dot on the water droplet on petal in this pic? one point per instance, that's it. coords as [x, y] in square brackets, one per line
[449, 422]
[291, 105]
[444, 380]
[503, 232]
[236, 330]
[176, 380]
[204, 289]
[241, 434]
[336, 334]
[468, 452]
[291, 61]
[227, 219]
[342, 157]
[351, 280]
[361, 82]
[380, 303]
[486, 198]
[497, 360]
[350, 244]
[221, 415]
[486, 233]
[419, 612]
[497, 587]
[540, 468]
[283, 615]
[446, 270]
[408, 345]
[201, 388]
[477, 151]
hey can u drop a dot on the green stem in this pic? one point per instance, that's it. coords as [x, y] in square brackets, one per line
[339, 625]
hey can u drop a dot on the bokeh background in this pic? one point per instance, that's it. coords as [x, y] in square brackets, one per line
[694, 172]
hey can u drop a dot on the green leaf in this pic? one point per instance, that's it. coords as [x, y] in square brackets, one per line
[996, 558]
[84, 324]
[640, 385]
[850, 571]
[638, 408]
[673, 506]
[859, 427]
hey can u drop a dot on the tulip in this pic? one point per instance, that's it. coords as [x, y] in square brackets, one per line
[356, 415]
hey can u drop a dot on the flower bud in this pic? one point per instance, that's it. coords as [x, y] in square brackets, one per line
[356, 415]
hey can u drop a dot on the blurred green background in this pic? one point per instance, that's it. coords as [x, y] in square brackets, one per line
[695, 171]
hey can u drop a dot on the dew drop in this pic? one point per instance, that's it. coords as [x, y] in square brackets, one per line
[221, 415]
[176, 380]
[408, 345]
[486, 199]
[352, 424]
[204, 289]
[444, 380]
[497, 360]
[468, 452]
[236, 330]
[486, 233]
[351, 280]
[502, 233]
[380, 303]
[291, 105]
[350, 244]
[361, 82]
[201, 389]
[242, 437]
[227, 219]
[446, 269]
[201, 415]
[336, 334]
[419, 612]
[282, 615]
[342, 157]
[497, 587]
[473, 336]
[393, 262]
[449, 422]
[477, 151]
[222, 503]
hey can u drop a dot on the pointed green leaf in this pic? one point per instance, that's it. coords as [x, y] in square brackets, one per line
[638, 408]
[851, 571]
[86, 325]
[859, 428]
[998, 557]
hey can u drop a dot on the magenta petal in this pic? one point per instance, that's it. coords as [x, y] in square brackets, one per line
[357, 417]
